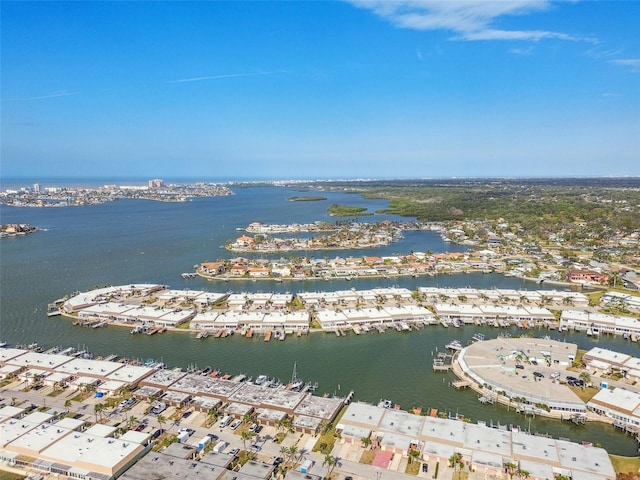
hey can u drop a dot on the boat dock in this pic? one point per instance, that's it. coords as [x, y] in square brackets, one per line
[267, 336]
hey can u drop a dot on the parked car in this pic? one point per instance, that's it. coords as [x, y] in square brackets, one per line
[519, 366]
[255, 447]
[141, 427]
[236, 424]
[278, 461]
[212, 436]
[234, 452]
[190, 431]
[425, 467]
[157, 433]
[258, 429]
[186, 414]
[538, 374]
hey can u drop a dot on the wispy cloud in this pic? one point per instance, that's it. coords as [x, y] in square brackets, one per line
[521, 51]
[61, 93]
[468, 19]
[633, 63]
[215, 77]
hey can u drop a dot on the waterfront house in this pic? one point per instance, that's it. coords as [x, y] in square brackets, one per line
[587, 276]
[623, 406]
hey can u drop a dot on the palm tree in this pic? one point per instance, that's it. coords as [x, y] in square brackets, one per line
[67, 404]
[212, 415]
[586, 377]
[455, 461]
[512, 468]
[284, 451]
[414, 454]
[366, 441]
[245, 435]
[131, 420]
[246, 418]
[292, 451]
[98, 408]
[161, 420]
[331, 462]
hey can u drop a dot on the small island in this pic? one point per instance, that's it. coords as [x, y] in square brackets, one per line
[336, 210]
[15, 229]
[309, 198]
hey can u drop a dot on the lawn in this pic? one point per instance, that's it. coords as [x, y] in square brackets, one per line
[625, 464]
[367, 457]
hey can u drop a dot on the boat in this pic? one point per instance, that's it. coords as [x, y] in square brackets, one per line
[137, 329]
[203, 334]
[261, 379]
[454, 345]
[53, 310]
[386, 403]
[267, 336]
[404, 327]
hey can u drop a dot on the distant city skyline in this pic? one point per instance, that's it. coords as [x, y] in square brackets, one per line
[314, 90]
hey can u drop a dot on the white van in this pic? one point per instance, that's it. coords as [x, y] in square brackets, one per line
[226, 420]
[220, 446]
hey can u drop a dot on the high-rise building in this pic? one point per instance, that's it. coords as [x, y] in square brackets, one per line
[156, 183]
[36, 188]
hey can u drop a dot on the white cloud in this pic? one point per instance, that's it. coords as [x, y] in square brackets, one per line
[61, 93]
[633, 63]
[214, 77]
[521, 51]
[468, 19]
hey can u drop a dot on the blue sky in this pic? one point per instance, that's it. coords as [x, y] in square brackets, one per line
[320, 89]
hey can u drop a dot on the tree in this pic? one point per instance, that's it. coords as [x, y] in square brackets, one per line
[284, 451]
[131, 420]
[366, 441]
[585, 377]
[98, 408]
[161, 420]
[512, 468]
[212, 415]
[331, 462]
[245, 435]
[455, 461]
[292, 451]
[414, 454]
[67, 404]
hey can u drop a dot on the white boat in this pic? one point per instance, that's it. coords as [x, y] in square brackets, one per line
[53, 310]
[454, 345]
[405, 327]
[261, 379]
[385, 403]
[478, 337]
[203, 334]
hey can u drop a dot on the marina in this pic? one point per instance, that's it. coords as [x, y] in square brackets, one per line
[74, 265]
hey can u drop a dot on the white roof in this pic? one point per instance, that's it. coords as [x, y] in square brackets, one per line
[84, 366]
[41, 360]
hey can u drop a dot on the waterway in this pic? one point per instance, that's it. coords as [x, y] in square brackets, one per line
[131, 241]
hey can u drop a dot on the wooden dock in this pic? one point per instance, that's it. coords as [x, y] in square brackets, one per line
[460, 384]
[267, 336]
[441, 367]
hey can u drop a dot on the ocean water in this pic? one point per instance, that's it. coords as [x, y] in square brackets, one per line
[131, 241]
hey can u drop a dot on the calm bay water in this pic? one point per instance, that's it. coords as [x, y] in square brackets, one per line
[142, 241]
